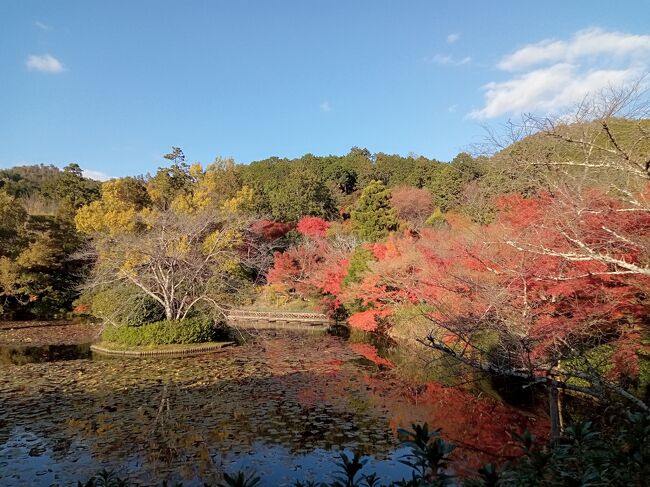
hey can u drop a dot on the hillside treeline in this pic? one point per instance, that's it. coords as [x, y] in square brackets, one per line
[42, 262]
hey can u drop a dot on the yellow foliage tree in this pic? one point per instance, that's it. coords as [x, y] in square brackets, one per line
[180, 251]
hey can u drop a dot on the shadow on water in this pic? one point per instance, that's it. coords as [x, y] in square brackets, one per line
[185, 430]
[434, 368]
[21, 355]
[285, 407]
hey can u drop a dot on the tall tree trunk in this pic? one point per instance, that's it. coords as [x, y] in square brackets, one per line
[554, 412]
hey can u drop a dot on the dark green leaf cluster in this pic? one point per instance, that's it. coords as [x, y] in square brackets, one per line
[40, 269]
[340, 179]
[587, 456]
[373, 217]
[122, 304]
[189, 330]
[48, 188]
[358, 265]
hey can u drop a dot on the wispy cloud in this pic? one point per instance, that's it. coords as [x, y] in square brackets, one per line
[552, 75]
[97, 175]
[584, 44]
[326, 106]
[448, 60]
[42, 25]
[451, 38]
[44, 63]
[452, 108]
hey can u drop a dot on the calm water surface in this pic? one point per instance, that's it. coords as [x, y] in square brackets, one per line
[285, 407]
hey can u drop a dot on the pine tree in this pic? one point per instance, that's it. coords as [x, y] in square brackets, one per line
[373, 217]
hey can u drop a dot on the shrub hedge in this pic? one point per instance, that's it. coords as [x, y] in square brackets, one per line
[190, 330]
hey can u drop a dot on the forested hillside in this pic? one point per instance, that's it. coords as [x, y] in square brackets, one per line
[40, 272]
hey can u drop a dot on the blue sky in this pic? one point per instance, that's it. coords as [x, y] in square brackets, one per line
[113, 85]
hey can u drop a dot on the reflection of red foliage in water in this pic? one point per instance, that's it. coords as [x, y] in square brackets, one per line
[477, 421]
[367, 320]
[310, 397]
[368, 351]
[480, 426]
[321, 393]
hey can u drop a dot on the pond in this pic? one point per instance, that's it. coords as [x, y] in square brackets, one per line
[283, 405]
[19, 355]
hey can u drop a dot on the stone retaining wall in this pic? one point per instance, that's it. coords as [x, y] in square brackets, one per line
[178, 352]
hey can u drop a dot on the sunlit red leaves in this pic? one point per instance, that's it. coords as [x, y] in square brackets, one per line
[518, 211]
[559, 270]
[82, 309]
[311, 269]
[293, 268]
[312, 226]
[536, 271]
[530, 270]
[368, 320]
[285, 268]
[378, 250]
[332, 278]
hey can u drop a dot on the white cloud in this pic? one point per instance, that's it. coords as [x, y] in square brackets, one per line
[441, 59]
[552, 75]
[583, 44]
[451, 38]
[44, 63]
[97, 175]
[325, 106]
[447, 60]
[43, 26]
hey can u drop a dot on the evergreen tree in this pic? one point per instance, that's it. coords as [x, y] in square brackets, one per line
[301, 194]
[373, 217]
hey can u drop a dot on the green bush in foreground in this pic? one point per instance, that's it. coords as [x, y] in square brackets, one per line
[190, 330]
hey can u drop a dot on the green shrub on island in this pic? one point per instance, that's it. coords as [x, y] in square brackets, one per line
[166, 332]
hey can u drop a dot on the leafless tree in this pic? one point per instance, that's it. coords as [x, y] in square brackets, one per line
[413, 205]
[178, 260]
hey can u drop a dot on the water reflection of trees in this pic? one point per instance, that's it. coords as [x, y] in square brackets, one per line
[21, 354]
[161, 418]
[185, 418]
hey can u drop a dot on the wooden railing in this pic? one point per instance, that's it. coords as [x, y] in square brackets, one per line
[275, 319]
[274, 315]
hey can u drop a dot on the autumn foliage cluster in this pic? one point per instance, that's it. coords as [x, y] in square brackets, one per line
[534, 261]
[550, 279]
